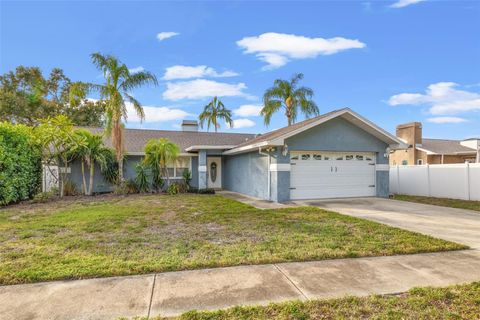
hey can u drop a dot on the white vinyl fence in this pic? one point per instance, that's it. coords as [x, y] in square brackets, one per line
[456, 181]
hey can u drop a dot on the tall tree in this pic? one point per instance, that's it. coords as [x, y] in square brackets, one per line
[159, 154]
[289, 96]
[115, 92]
[214, 111]
[91, 151]
[27, 96]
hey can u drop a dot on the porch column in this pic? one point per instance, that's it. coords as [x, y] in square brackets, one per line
[280, 177]
[202, 169]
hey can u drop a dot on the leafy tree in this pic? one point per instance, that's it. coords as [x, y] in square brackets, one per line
[60, 146]
[287, 95]
[26, 96]
[212, 112]
[91, 150]
[159, 154]
[115, 93]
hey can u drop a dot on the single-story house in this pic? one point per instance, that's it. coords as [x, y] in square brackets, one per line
[422, 151]
[337, 154]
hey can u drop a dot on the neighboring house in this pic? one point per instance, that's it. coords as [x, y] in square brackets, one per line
[432, 151]
[338, 154]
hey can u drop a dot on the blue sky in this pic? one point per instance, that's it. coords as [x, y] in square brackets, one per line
[391, 61]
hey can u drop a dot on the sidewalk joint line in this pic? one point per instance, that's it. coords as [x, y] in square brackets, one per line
[290, 280]
[151, 296]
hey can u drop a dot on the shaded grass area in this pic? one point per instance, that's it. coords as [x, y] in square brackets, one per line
[455, 302]
[444, 202]
[109, 236]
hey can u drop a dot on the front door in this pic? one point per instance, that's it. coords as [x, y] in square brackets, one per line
[214, 171]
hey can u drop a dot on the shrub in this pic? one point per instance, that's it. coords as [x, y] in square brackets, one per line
[142, 177]
[201, 191]
[44, 197]
[69, 188]
[126, 187]
[20, 163]
[187, 177]
[110, 168]
[173, 188]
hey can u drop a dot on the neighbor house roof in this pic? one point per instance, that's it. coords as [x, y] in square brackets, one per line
[442, 146]
[135, 139]
[278, 136]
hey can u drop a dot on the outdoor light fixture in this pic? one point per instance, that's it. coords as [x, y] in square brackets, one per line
[285, 150]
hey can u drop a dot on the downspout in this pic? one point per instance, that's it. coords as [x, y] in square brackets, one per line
[268, 172]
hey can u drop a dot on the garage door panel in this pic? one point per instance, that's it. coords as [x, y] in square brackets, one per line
[331, 175]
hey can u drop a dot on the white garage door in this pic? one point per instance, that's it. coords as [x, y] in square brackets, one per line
[316, 175]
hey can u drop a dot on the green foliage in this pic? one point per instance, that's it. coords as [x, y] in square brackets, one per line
[42, 197]
[90, 150]
[214, 111]
[287, 95]
[26, 96]
[173, 189]
[142, 177]
[59, 143]
[69, 188]
[110, 169]
[20, 163]
[187, 177]
[126, 187]
[114, 93]
[158, 154]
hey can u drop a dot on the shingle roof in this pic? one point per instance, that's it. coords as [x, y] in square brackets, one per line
[441, 146]
[135, 139]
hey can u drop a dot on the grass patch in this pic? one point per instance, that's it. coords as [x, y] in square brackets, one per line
[444, 202]
[109, 236]
[455, 302]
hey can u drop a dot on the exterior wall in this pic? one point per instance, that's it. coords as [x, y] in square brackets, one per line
[447, 159]
[202, 169]
[246, 173]
[341, 135]
[100, 185]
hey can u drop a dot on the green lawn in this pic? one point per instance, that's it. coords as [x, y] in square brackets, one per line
[107, 236]
[456, 302]
[444, 202]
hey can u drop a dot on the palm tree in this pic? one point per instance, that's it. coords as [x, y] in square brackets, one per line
[287, 95]
[159, 154]
[115, 92]
[91, 151]
[212, 112]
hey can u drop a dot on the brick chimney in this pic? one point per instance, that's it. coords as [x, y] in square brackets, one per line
[411, 133]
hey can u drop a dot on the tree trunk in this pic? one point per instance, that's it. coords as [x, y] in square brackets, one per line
[92, 169]
[120, 170]
[84, 181]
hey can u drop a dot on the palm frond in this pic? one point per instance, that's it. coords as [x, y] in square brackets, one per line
[139, 79]
[136, 105]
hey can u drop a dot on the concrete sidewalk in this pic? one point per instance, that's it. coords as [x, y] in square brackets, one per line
[173, 293]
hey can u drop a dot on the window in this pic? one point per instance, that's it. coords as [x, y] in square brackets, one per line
[339, 158]
[359, 157]
[176, 170]
[349, 157]
[317, 156]
[404, 162]
[420, 162]
[294, 157]
[306, 156]
[326, 158]
[368, 158]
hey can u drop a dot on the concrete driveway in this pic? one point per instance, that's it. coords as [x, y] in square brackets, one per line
[458, 225]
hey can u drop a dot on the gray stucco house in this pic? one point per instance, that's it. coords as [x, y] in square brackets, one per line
[337, 154]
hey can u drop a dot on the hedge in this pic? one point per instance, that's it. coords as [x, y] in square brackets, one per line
[20, 163]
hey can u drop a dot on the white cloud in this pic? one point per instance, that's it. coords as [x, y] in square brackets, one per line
[136, 69]
[187, 72]
[446, 120]
[404, 3]
[156, 114]
[443, 98]
[165, 35]
[243, 123]
[276, 49]
[248, 110]
[201, 88]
